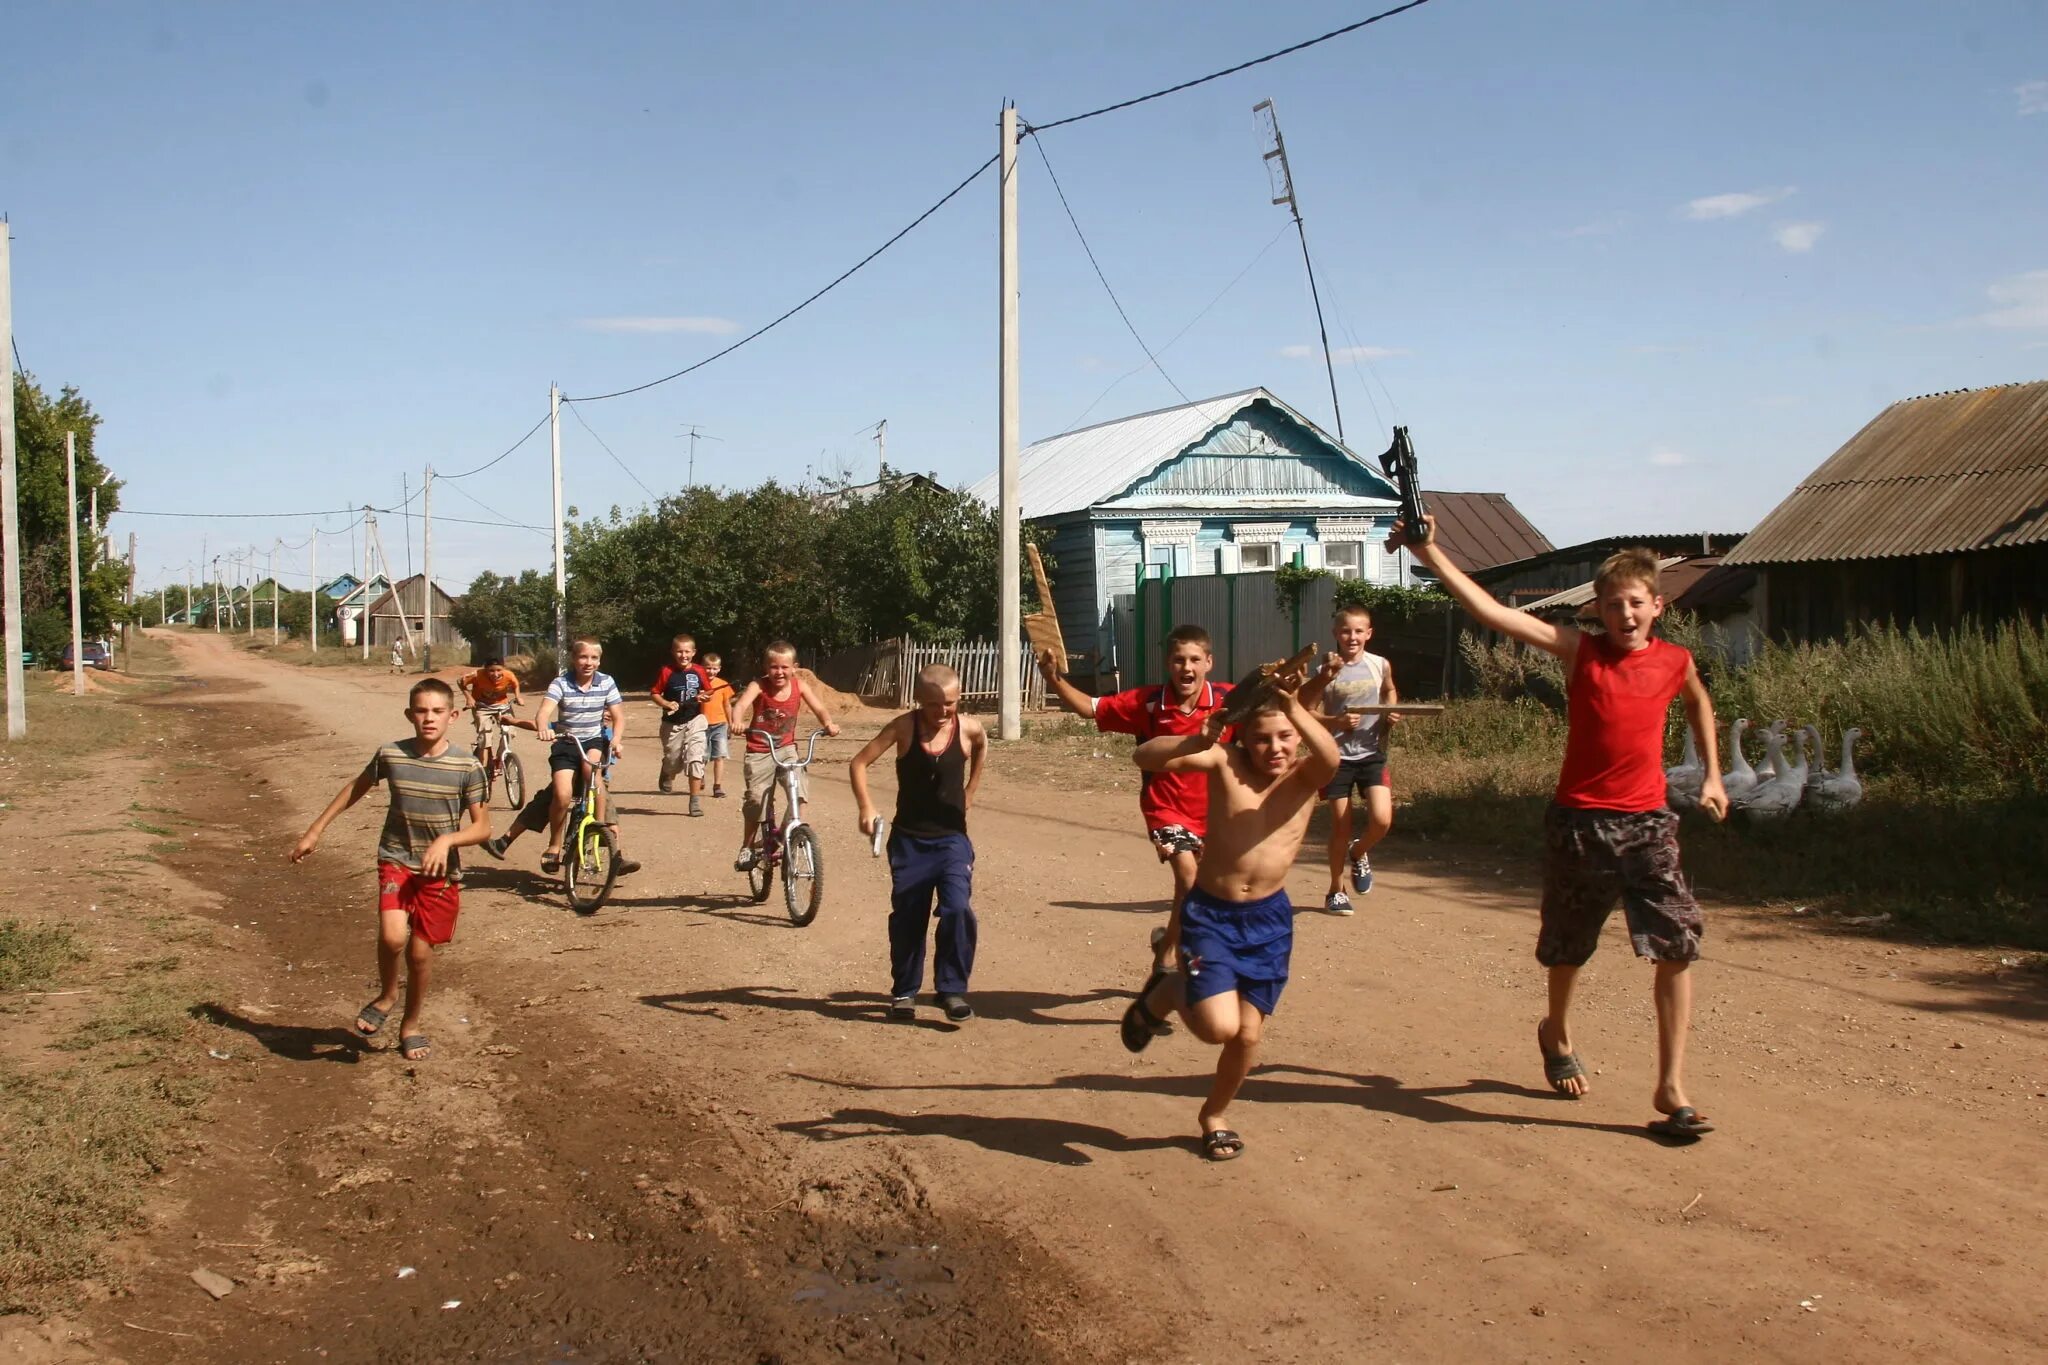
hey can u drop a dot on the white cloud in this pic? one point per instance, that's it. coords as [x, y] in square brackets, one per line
[2033, 97]
[640, 326]
[2022, 300]
[1341, 352]
[1735, 205]
[1665, 458]
[1798, 237]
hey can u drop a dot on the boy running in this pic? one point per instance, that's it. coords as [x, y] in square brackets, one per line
[1174, 804]
[940, 755]
[437, 807]
[679, 691]
[767, 712]
[717, 715]
[1608, 834]
[583, 720]
[1360, 679]
[1237, 927]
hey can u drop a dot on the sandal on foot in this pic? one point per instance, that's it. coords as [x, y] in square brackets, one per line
[1140, 1025]
[1220, 1144]
[1557, 1069]
[551, 862]
[371, 1016]
[1683, 1124]
[419, 1043]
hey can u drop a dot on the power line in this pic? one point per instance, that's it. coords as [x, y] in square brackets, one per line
[614, 454]
[508, 450]
[487, 507]
[1118, 303]
[844, 276]
[1228, 70]
[238, 516]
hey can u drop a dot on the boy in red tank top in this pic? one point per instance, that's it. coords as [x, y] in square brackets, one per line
[766, 715]
[1608, 835]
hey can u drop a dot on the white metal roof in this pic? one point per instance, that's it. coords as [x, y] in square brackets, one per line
[1078, 469]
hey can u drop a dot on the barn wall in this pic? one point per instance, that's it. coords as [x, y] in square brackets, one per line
[1825, 601]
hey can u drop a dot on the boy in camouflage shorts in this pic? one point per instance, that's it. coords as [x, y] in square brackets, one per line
[1608, 835]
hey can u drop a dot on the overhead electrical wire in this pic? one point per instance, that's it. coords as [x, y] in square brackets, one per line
[614, 454]
[507, 451]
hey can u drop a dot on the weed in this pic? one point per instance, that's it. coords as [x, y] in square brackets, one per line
[157, 830]
[151, 1012]
[34, 955]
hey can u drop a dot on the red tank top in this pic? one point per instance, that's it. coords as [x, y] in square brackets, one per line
[778, 718]
[1614, 750]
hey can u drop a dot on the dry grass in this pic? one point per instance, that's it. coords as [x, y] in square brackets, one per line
[35, 955]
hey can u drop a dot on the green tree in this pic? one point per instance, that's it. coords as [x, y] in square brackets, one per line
[40, 423]
[495, 605]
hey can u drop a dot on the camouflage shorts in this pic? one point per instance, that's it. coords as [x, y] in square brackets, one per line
[1592, 858]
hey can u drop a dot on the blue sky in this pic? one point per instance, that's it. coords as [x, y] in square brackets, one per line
[1639, 266]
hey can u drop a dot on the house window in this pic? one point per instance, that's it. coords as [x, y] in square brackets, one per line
[1344, 558]
[1252, 558]
[1172, 559]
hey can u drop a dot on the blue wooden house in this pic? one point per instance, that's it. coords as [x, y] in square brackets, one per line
[1234, 484]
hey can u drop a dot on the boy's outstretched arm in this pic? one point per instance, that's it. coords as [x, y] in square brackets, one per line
[1185, 753]
[1699, 713]
[1071, 697]
[817, 708]
[1563, 641]
[887, 738]
[349, 794]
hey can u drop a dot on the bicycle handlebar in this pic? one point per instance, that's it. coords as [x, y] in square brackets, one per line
[810, 751]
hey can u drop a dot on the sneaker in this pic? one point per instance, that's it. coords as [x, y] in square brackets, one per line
[495, 846]
[626, 866]
[956, 1007]
[668, 789]
[903, 1007]
[718, 792]
[1336, 903]
[745, 862]
[696, 806]
[1361, 873]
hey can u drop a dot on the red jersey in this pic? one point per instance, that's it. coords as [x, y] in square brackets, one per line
[1148, 712]
[685, 687]
[1614, 750]
[778, 718]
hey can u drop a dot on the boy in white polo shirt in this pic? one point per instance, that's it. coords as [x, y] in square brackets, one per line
[583, 710]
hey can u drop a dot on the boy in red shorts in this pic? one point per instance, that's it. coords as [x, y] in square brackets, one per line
[1608, 835]
[437, 807]
[1175, 804]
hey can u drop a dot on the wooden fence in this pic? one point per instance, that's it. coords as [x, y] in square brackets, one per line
[892, 673]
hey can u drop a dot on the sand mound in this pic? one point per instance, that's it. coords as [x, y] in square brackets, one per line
[834, 699]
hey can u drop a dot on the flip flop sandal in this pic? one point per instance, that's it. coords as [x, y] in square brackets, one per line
[1559, 1069]
[1683, 1124]
[419, 1043]
[1220, 1144]
[1140, 1026]
[551, 862]
[371, 1015]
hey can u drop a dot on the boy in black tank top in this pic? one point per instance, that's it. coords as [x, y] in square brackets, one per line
[939, 759]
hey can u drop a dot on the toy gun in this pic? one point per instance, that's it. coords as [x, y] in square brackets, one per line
[1257, 686]
[1399, 464]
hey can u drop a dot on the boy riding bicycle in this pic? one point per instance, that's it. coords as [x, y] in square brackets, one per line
[582, 718]
[773, 700]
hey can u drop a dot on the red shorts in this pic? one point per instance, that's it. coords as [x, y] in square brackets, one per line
[430, 903]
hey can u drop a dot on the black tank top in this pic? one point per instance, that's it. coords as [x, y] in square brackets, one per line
[931, 788]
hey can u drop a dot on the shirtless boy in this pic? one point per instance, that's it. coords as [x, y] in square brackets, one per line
[1237, 926]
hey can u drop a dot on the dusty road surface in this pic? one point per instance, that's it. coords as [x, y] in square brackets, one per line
[684, 1130]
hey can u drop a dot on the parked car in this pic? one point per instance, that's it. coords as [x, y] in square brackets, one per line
[97, 655]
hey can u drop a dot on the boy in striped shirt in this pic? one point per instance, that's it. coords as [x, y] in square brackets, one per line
[437, 807]
[583, 710]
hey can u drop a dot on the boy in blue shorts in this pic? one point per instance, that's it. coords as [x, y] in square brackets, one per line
[1237, 926]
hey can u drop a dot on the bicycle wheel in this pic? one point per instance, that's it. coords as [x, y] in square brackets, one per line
[482, 754]
[803, 875]
[761, 876]
[515, 782]
[589, 868]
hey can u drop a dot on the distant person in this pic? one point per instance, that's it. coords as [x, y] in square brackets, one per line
[940, 755]
[1174, 804]
[717, 722]
[1237, 925]
[679, 691]
[582, 718]
[437, 807]
[767, 712]
[1359, 679]
[398, 656]
[1608, 834]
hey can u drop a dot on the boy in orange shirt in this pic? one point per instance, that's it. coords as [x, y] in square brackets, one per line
[717, 721]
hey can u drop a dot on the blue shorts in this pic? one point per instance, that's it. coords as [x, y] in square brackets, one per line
[1240, 946]
[715, 739]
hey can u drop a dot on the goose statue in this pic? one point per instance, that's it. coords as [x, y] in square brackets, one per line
[1842, 789]
[1682, 784]
[1778, 796]
[1738, 779]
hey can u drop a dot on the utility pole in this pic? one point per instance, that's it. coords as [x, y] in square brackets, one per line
[10, 519]
[188, 592]
[216, 594]
[128, 598]
[369, 574]
[249, 578]
[881, 450]
[427, 565]
[1010, 609]
[71, 524]
[561, 563]
[1282, 180]
[313, 590]
[397, 597]
[695, 434]
[274, 597]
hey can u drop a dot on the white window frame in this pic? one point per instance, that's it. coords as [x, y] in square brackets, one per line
[1356, 548]
[1269, 550]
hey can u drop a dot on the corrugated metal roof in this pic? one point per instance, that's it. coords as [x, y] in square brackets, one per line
[1078, 469]
[1480, 530]
[1935, 475]
[1688, 581]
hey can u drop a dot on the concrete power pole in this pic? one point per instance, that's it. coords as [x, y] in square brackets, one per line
[10, 520]
[881, 453]
[128, 599]
[313, 591]
[561, 563]
[1010, 609]
[274, 596]
[250, 576]
[427, 565]
[77, 607]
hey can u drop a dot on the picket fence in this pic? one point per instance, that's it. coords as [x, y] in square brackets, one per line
[893, 670]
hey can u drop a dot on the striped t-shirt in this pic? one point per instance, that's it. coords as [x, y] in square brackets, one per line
[579, 711]
[429, 797]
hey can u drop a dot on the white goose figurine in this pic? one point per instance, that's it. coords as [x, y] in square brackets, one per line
[1682, 784]
[1843, 789]
[1779, 796]
[1739, 779]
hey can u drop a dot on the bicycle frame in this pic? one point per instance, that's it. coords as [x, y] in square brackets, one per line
[789, 777]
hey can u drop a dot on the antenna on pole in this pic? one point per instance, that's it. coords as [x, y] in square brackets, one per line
[695, 434]
[1282, 178]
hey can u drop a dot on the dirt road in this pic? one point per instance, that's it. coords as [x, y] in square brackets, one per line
[684, 1129]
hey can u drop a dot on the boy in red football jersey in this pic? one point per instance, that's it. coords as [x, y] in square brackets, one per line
[1176, 804]
[1608, 834]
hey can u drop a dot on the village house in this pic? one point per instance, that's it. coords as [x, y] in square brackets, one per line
[389, 623]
